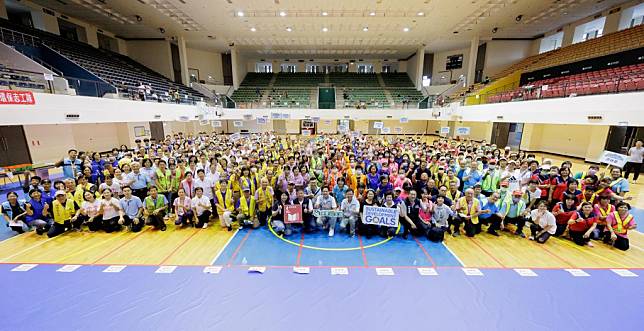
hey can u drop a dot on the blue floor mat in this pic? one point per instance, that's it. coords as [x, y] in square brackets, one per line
[188, 299]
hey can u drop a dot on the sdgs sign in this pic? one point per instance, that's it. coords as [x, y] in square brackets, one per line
[380, 216]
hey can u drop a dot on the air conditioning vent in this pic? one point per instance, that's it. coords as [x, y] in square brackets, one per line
[72, 117]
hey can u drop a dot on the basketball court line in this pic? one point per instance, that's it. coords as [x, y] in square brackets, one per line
[195, 231]
[129, 240]
[32, 247]
[429, 257]
[232, 257]
[224, 247]
[364, 255]
[453, 254]
[299, 251]
[486, 252]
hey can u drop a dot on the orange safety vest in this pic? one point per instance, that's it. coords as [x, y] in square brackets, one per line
[619, 228]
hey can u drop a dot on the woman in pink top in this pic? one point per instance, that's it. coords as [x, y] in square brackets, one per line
[183, 207]
[619, 223]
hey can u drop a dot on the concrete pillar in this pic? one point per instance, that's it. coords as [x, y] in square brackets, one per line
[612, 23]
[92, 35]
[420, 63]
[471, 62]
[3, 10]
[234, 57]
[183, 60]
[568, 36]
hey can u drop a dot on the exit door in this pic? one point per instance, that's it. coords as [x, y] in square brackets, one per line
[13, 146]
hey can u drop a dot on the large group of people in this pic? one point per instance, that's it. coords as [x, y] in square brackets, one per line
[446, 186]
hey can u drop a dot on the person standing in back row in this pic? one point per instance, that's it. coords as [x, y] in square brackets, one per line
[635, 158]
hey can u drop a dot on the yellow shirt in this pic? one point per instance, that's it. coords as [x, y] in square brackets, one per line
[63, 213]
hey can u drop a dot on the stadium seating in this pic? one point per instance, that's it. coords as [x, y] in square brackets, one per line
[620, 79]
[608, 44]
[118, 70]
[299, 79]
[397, 80]
[352, 79]
[10, 78]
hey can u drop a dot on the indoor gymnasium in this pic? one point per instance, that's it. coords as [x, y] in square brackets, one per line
[321, 165]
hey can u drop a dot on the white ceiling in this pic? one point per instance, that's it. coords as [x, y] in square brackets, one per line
[214, 24]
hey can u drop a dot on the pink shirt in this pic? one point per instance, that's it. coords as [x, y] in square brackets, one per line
[186, 205]
[610, 219]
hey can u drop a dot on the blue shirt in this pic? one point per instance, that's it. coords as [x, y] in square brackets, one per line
[131, 207]
[620, 186]
[68, 167]
[492, 207]
[49, 196]
[339, 192]
[141, 181]
[474, 178]
[36, 207]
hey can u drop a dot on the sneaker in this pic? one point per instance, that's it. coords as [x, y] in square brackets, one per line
[205, 225]
[590, 244]
[40, 231]
[331, 232]
[230, 228]
[456, 234]
[520, 234]
[531, 238]
[163, 227]
[492, 232]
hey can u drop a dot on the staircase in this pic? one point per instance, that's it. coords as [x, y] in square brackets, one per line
[390, 99]
[264, 100]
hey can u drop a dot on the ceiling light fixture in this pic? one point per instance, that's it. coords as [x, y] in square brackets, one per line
[420, 13]
[282, 13]
[365, 29]
[406, 29]
[325, 29]
[373, 13]
[240, 13]
[289, 29]
[325, 13]
[253, 29]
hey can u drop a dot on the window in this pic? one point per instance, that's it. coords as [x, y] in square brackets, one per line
[637, 21]
[365, 69]
[290, 68]
[263, 67]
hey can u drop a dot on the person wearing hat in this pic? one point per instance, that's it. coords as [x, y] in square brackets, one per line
[514, 211]
[64, 214]
[245, 208]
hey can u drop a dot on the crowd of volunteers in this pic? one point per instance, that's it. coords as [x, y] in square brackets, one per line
[446, 186]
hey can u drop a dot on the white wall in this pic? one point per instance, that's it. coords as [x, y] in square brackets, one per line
[241, 66]
[440, 59]
[500, 54]
[154, 54]
[208, 64]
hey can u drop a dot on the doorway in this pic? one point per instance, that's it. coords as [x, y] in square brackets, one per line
[156, 131]
[621, 138]
[14, 149]
[507, 135]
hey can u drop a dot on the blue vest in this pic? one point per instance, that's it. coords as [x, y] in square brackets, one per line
[6, 207]
[68, 167]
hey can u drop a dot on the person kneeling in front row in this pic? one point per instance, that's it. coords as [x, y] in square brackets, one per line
[277, 219]
[350, 208]
[618, 224]
[543, 224]
[64, 219]
[202, 208]
[132, 208]
[155, 206]
[440, 220]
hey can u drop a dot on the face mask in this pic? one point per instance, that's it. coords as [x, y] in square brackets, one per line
[592, 171]
[492, 166]
[515, 199]
[503, 189]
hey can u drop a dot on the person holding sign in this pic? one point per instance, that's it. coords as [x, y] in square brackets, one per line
[618, 184]
[326, 202]
[350, 208]
[307, 210]
[277, 221]
[619, 223]
[368, 230]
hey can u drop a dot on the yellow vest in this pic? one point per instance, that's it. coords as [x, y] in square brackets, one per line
[268, 199]
[248, 180]
[619, 228]
[469, 211]
[63, 213]
[246, 209]
[226, 201]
